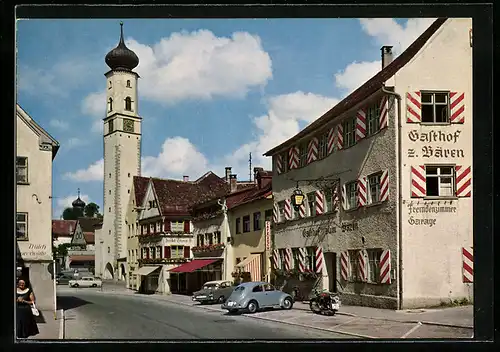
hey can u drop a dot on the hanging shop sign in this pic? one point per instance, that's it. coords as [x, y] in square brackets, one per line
[268, 235]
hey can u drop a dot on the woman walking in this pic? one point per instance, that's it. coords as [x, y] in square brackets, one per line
[26, 324]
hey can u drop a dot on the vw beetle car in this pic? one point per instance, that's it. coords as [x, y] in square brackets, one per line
[214, 291]
[252, 296]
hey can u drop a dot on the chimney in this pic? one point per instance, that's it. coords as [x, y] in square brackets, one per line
[185, 178]
[257, 176]
[386, 55]
[228, 173]
[233, 181]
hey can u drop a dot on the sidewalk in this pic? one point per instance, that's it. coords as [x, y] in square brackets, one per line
[48, 327]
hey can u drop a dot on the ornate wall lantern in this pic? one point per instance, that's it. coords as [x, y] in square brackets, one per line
[297, 198]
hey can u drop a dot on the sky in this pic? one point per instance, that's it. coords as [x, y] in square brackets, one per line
[211, 91]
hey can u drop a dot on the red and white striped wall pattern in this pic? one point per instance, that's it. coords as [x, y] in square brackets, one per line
[385, 267]
[361, 184]
[302, 259]
[293, 157]
[384, 112]
[312, 150]
[288, 209]
[332, 140]
[360, 124]
[418, 185]
[345, 265]
[319, 260]
[288, 259]
[279, 163]
[275, 213]
[335, 197]
[276, 259]
[302, 209]
[363, 265]
[467, 264]
[384, 186]
[464, 181]
[340, 137]
[413, 107]
[320, 203]
[457, 107]
[344, 198]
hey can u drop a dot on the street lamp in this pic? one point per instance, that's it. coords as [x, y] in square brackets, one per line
[297, 198]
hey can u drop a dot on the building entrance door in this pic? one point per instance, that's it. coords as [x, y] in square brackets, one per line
[331, 269]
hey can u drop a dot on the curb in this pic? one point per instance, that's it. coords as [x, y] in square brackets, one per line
[61, 325]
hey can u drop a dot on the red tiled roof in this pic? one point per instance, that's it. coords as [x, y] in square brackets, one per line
[89, 237]
[140, 188]
[62, 227]
[366, 90]
[248, 196]
[81, 258]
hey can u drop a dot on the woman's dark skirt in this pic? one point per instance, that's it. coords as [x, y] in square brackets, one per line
[26, 324]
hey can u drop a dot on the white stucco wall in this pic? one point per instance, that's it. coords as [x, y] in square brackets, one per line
[432, 259]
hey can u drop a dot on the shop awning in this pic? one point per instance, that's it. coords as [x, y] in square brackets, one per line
[81, 258]
[193, 265]
[252, 265]
[145, 270]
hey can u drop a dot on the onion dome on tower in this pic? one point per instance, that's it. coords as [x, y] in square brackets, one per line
[121, 57]
[78, 203]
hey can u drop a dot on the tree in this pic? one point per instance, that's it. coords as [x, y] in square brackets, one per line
[91, 210]
[72, 213]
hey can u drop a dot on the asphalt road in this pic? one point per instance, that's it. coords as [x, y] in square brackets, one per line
[93, 315]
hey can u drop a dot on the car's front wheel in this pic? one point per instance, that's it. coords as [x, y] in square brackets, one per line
[75, 285]
[253, 306]
[287, 303]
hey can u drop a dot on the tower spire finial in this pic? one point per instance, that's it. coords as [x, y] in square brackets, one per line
[121, 32]
[78, 192]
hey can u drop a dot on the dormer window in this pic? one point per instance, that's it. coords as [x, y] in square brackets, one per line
[153, 204]
[128, 104]
[110, 104]
[128, 83]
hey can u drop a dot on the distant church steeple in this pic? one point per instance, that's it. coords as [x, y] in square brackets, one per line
[78, 203]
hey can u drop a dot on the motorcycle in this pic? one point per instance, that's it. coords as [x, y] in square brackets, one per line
[324, 302]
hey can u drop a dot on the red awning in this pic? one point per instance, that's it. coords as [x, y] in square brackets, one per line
[193, 265]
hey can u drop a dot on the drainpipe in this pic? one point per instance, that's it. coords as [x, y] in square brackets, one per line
[400, 200]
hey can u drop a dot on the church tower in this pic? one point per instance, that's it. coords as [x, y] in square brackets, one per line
[122, 151]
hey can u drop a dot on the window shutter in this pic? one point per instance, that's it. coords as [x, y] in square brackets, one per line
[302, 259]
[293, 158]
[288, 209]
[457, 107]
[385, 267]
[166, 251]
[187, 252]
[418, 181]
[166, 225]
[384, 186]
[363, 265]
[344, 198]
[463, 180]
[335, 198]
[360, 124]
[413, 107]
[279, 164]
[340, 137]
[187, 226]
[361, 185]
[275, 213]
[302, 209]
[312, 150]
[467, 265]
[331, 140]
[384, 112]
[345, 264]
[320, 202]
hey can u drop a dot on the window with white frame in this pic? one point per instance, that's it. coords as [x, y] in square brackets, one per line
[158, 226]
[177, 226]
[177, 252]
[200, 240]
[374, 265]
[440, 181]
[158, 252]
[328, 200]
[153, 204]
[372, 119]
[294, 213]
[209, 238]
[22, 226]
[311, 203]
[217, 237]
[435, 107]
[153, 252]
[303, 154]
[246, 223]
[349, 132]
[351, 193]
[353, 258]
[323, 146]
[295, 258]
[281, 211]
[21, 169]
[256, 221]
[311, 258]
[374, 188]
[282, 253]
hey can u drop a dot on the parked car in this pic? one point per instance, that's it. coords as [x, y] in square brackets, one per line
[63, 279]
[86, 281]
[214, 291]
[252, 296]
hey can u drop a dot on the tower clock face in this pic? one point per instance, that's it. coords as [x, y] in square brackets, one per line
[128, 125]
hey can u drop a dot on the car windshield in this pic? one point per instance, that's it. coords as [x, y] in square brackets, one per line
[209, 286]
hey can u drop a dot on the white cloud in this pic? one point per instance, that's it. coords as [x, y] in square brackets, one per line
[94, 106]
[73, 142]
[201, 65]
[355, 74]
[178, 157]
[59, 124]
[63, 203]
[95, 172]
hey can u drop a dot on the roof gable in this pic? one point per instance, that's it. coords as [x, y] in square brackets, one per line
[366, 90]
[63, 228]
[140, 185]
